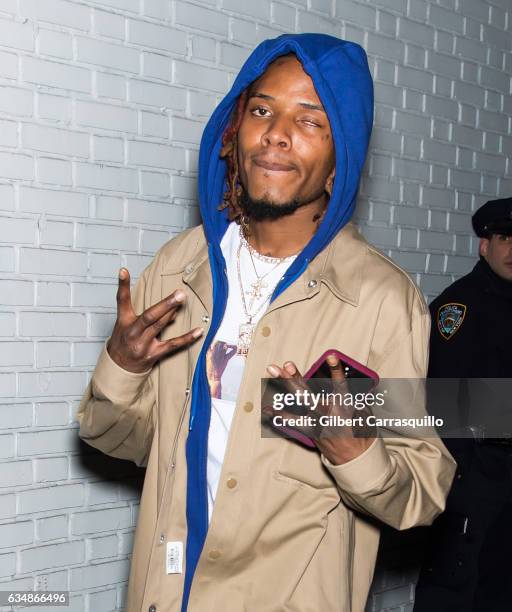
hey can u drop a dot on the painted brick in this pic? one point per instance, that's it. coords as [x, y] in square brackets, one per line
[56, 108]
[156, 155]
[100, 574]
[54, 74]
[106, 54]
[54, 171]
[201, 77]
[108, 178]
[16, 354]
[152, 213]
[100, 520]
[50, 384]
[158, 9]
[56, 44]
[156, 184]
[15, 166]
[50, 261]
[52, 354]
[54, 555]
[15, 473]
[63, 142]
[105, 236]
[156, 36]
[109, 208]
[200, 18]
[131, 6]
[101, 325]
[86, 353]
[103, 547]
[56, 233]
[17, 35]
[7, 564]
[7, 324]
[106, 116]
[15, 101]
[50, 498]
[52, 324]
[17, 230]
[109, 24]
[58, 12]
[157, 66]
[52, 528]
[51, 414]
[8, 65]
[108, 149]
[110, 85]
[156, 94]
[53, 294]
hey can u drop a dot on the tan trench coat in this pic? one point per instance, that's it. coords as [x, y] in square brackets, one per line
[284, 535]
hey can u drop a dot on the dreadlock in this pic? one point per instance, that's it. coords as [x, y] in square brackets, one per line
[229, 152]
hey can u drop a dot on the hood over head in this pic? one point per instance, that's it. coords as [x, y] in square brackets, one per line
[339, 71]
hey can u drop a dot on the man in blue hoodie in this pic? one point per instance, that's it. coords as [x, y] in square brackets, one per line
[229, 519]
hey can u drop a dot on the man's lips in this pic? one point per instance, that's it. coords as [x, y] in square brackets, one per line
[274, 166]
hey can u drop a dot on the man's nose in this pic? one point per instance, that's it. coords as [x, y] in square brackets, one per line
[277, 134]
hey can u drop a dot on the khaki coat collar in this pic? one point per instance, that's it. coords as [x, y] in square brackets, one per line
[339, 266]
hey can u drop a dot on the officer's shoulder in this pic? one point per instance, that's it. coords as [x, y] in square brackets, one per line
[460, 291]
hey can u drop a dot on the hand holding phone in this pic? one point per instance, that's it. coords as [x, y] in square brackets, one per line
[319, 417]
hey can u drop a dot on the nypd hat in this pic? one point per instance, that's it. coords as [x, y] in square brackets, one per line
[494, 217]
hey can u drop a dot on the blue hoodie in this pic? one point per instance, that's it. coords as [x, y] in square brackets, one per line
[342, 80]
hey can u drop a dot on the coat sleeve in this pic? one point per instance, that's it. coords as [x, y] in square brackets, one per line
[117, 412]
[403, 480]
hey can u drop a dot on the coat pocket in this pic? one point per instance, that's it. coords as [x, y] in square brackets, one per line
[302, 466]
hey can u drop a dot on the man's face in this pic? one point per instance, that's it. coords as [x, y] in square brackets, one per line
[497, 252]
[285, 148]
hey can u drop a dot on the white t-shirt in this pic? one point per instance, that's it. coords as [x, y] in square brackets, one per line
[224, 367]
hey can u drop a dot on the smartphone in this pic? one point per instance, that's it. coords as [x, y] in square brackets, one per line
[366, 379]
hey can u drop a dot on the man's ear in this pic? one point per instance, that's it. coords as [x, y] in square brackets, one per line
[483, 247]
[330, 181]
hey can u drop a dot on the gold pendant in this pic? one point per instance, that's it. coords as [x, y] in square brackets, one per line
[244, 338]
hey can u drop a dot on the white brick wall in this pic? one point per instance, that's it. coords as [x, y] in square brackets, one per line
[102, 103]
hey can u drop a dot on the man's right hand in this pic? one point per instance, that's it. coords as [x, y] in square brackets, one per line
[133, 344]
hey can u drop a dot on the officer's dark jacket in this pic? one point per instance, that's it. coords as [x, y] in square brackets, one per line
[481, 346]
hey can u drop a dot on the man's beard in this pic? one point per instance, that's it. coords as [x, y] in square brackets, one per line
[266, 210]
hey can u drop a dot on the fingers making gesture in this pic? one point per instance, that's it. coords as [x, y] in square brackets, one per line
[134, 344]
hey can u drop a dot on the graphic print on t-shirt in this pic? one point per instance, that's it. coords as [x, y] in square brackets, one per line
[223, 372]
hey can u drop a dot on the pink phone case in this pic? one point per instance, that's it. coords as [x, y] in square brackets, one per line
[297, 435]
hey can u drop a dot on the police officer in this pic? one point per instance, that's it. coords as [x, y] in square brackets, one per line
[467, 563]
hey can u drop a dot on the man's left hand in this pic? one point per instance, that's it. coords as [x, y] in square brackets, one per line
[340, 448]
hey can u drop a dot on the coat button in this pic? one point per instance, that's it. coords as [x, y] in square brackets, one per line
[232, 482]
[205, 318]
[214, 554]
[248, 406]
[189, 268]
[312, 283]
[265, 331]
[152, 609]
[162, 538]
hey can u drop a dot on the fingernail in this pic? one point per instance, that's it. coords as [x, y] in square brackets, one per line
[332, 360]
[179, 295]
[290, 368]
[122, 273]
[197, 332]
[273, 371]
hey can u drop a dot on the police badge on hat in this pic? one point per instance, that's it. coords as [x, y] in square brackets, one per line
[449, 319]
